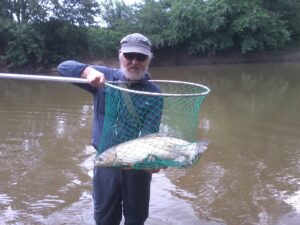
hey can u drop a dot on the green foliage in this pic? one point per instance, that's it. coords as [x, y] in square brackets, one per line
[118, 16]
[80, 12]
[4, 26]
[63, 40]
[153, 19]
[212, 26]
[41, 32]
[288, 10]
[103, 42]
[24, 11]
[255, 28]
[4, 10]
[202, 26]
[25, 46]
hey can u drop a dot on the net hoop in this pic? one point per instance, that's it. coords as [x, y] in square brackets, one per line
[204, 89]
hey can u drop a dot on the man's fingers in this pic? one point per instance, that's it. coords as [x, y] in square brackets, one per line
[96, 78]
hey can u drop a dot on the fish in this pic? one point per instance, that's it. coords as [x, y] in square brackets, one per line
[153, 151]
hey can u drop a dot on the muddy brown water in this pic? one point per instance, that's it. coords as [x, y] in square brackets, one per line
[249, 175]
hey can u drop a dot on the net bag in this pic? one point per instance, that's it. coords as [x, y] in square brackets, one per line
[151, 124]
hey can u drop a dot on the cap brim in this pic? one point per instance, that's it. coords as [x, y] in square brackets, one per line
[137, 49]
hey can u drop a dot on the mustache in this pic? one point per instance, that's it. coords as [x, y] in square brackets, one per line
[134, 67]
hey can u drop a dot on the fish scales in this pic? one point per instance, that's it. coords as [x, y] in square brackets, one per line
[150, 148]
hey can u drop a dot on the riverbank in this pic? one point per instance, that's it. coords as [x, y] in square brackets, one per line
[177, 58]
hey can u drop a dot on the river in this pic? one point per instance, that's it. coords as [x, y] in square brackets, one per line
[249, 175]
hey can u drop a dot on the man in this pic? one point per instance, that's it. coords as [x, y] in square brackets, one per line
[115, 189]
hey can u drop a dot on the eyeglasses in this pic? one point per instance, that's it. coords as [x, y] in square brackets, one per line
[138, 56]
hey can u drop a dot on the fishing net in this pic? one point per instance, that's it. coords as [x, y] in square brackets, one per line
[152, 124]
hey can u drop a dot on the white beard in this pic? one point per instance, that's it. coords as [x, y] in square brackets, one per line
[132, 75]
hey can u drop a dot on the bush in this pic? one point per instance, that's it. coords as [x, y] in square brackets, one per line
[103, 42]
[25, 46]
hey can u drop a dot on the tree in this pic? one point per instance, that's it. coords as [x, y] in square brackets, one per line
[288, 11]
[256, 28]
[25, 46]
[63, 40]
[23, 11]
[153, 19]
[79, 12]
[118, 16]
[208, 27]
[201, 26]
[35, 32]
[103, 42]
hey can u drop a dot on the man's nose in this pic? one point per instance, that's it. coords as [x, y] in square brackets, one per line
[134, 61]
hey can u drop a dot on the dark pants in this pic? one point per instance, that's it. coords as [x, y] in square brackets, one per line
[113, 188]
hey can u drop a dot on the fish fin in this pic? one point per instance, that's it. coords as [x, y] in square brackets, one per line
[202, 145]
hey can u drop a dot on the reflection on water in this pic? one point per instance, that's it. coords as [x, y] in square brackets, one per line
[37, 136]
[249, 175]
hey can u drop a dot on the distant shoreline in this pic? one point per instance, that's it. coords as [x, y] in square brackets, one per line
[292, 55]
[183, 59]
[174, 58]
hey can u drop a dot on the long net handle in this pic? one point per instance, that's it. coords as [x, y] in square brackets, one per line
[204, 90]
[46, 78]
[42, 78]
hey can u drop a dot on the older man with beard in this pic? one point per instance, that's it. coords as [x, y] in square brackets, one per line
[117, 189]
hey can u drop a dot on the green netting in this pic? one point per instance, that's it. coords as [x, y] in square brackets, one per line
[153, 124]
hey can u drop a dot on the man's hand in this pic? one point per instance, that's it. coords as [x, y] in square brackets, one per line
[94, 77]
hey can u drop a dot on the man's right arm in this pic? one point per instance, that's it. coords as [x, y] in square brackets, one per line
[72, 68]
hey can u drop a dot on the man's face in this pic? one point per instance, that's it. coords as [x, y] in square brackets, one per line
[134, 65]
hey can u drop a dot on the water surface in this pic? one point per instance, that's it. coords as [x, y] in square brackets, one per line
[249, 175]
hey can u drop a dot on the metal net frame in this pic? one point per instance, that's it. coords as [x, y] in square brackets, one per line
[149, 129]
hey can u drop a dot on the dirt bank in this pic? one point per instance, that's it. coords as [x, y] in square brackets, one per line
[177, 59]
